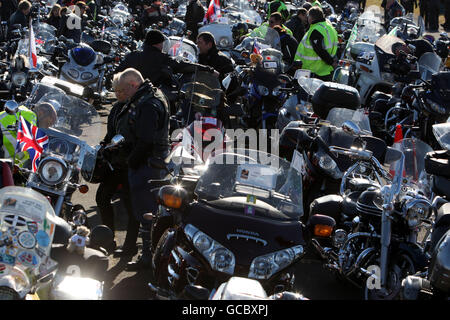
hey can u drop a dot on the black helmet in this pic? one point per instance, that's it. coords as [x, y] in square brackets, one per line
[442, 49]
[239, 29]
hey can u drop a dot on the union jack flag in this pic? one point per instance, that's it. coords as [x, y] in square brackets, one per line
[213, 12]
[31, 139]
[256, 47]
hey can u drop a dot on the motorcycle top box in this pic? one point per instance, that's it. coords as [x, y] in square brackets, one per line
[334, 95]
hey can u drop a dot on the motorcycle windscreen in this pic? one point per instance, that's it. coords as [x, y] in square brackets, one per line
[181, 48]
[222, 34]
[28, 225]
[337, 116]
[203, 93]
[253, 180]
[414, 151]
[429, 64]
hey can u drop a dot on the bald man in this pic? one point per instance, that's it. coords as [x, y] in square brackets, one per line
[144, 123]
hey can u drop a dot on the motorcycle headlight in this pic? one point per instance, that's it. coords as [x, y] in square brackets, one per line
[73, 73]
[416, 211]
[436, 107]
[263, 267]
[86, 75]
[52, 171]
[219, 257]
[19, 78]
[224, 42]
[264, 91]
[327, 164]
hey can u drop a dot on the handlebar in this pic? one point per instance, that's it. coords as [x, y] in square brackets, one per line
[352, 153]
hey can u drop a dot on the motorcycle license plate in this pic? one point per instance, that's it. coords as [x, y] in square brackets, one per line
[270, 65]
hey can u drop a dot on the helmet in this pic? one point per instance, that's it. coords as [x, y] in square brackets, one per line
[429, 38]
[239, 29]
[442, 49]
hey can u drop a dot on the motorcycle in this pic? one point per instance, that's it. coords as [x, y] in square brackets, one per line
[237, 190]
[385, 242]
[433, 284]
[377, 67]
[423, 103]
[31, 258]
[87, 68]
[68, 154]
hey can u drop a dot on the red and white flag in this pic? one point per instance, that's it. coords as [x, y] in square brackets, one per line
[33, 54]
[213, 12]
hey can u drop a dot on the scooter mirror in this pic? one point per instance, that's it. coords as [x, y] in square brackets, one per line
[11, 107]
[351, 127]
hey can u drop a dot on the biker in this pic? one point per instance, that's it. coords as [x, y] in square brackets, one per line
[275, 19]
[144, 123]
[43, 116]
[158, 66]
[288, 44]
[318, 47]
[72, 24]
[278, 6]
[211, 56]
[298, 24]
[315, 3]
[115, 180]
[392, 9]
[194, 15]
[20, 16]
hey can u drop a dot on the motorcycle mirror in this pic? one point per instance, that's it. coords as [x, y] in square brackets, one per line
[11, 107]
[351, 127]
[192, 292]
[116, 140]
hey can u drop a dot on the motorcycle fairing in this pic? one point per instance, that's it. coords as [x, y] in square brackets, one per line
[246, 236]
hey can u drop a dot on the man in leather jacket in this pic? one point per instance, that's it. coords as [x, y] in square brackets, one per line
[156, 65]
[194, 15]
[111, 181]
[211, 56]
[144, 123]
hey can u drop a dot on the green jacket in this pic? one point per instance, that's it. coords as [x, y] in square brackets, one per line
[306, 54]
[9, 136]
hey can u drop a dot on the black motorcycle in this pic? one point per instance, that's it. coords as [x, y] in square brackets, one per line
[201, 234]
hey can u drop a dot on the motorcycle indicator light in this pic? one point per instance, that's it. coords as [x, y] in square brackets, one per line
[172, 196]
[321, 230]
[83, 188]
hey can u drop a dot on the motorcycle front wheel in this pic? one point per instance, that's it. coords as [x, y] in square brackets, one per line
[400, 267]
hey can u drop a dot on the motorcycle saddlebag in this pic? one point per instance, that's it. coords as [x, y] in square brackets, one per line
[438, 163]
[334, 95]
